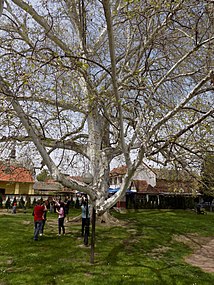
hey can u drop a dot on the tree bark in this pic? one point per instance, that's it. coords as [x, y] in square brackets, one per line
[93, 226]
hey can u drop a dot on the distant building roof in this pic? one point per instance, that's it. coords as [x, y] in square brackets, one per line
[161, 173]
[118, 171]
[76, 178]
[122, 170]
[47, 186]
[142, 173]
[13, 173]
[172, 174]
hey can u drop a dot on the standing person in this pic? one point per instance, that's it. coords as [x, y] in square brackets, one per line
[77, 203]
[61, 217]
[14, 207]
[44, 218]
[67, 207]
[85, 219]
[51, 207]
[8, 203]
[38, 218]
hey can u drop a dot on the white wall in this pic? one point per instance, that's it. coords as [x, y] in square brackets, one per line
[144, 173]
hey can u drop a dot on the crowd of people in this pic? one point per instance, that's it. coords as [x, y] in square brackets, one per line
[41, 208]
[27, 202]
[12, 205]
[62, 209]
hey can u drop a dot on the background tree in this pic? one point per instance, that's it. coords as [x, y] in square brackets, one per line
[207, 175]
[90, 81]
[43, 175]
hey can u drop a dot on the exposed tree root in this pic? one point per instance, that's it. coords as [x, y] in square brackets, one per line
[106, 219]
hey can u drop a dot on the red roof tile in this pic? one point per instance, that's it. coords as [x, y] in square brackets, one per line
[15, 174]
[118, 171]
[122, 170]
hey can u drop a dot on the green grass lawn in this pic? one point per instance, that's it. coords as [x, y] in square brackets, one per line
[143, 252]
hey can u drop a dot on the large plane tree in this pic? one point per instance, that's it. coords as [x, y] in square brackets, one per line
[87, 81]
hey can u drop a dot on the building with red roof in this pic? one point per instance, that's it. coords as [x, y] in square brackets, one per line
[155, 187]
[15, 180]
[143, 177]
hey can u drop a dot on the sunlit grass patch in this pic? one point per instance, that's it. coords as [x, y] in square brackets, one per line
[147, 249]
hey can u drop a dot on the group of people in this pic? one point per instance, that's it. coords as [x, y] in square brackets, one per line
[40, 216]
[11, 205]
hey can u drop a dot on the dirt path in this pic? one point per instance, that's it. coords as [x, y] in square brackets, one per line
[203, 257]
[203, 251]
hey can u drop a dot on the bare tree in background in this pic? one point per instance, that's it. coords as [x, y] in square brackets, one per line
[95, 80]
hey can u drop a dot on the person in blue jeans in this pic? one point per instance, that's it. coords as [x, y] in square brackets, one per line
[38, 213]
[44, 218]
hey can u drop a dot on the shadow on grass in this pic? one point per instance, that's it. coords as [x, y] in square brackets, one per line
[142, 252]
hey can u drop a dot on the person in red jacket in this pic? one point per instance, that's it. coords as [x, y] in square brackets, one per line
[38, 213]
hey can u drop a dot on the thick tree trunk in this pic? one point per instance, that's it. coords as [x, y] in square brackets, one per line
[93, 226]
[1, 7]
[108, 219]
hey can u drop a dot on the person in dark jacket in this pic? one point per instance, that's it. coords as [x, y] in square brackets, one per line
[85, 207]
